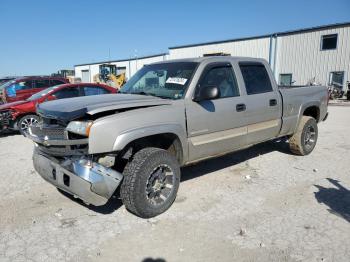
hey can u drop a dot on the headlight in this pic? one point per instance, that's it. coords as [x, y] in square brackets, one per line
[80, 127]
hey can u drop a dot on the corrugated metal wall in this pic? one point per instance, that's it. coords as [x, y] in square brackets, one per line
[252, 48]
[301, 55]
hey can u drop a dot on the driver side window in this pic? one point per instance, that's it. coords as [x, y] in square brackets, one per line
[223, 78]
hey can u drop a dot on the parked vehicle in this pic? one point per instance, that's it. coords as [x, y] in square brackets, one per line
[335, 92]
[21, 114]
[6, 79]
[108, 75]
[168, 115]
[23, 87]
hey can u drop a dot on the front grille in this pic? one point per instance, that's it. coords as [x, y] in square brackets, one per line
[49, 133]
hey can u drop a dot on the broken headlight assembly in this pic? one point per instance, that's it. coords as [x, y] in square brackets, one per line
[80, 127]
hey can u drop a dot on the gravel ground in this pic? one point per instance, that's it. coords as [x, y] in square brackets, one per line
[261, 204]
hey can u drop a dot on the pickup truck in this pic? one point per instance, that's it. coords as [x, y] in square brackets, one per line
[168, 115]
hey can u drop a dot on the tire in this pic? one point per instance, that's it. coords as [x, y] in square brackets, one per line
[304, 139]
[25, 122]
[151, 181]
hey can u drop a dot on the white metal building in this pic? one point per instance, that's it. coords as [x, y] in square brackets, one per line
[319, 54]
[130, 66]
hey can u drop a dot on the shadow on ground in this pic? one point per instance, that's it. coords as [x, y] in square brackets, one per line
[112, 205]
[8, 133]
[200, 169]
[149, 259]
[337, 199]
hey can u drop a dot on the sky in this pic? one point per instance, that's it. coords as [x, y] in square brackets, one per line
[40, 36]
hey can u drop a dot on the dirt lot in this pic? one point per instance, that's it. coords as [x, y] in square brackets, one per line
[261, 204]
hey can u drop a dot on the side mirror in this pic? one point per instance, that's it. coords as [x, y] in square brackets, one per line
[51, 97]
[207, 93]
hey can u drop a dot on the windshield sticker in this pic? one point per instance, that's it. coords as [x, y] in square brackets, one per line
[176, 80]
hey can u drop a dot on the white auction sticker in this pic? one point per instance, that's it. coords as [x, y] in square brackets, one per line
[176, 80]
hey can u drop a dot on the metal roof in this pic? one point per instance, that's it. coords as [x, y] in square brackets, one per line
[291, 32]
[122, 60]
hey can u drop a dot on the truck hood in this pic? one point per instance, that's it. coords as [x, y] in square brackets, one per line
[74, 108]
[11, 105]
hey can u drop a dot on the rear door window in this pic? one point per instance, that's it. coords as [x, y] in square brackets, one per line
[67, 93]
[55, 82]
[23, 85]
[94, 90]
[42, 83]
[256, 78]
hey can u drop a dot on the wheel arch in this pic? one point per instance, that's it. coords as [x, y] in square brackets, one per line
[313, 111]
[170, 137]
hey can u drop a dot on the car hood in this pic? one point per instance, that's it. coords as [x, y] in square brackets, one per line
[11, 105]
[74, 108]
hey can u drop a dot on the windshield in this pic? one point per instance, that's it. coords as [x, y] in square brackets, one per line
[42, 93]
[168, 80]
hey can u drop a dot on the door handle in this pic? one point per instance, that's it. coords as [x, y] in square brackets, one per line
[273, 102]
[240, 107]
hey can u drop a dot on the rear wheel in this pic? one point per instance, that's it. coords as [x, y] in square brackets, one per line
[304, 139]
[151, 181]
[25, 122]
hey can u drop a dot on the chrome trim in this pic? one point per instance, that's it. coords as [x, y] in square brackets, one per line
[55, 142]
[218, 136]
[263, 125]
[232, 133]
[58, 142]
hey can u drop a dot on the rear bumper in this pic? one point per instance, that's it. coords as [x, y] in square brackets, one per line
[89, 181]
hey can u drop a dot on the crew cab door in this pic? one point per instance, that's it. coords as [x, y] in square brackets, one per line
[216, 126]
[263, 101]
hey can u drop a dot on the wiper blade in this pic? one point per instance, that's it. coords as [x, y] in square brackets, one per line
[150, 94]
[160, 96]
[140, 93]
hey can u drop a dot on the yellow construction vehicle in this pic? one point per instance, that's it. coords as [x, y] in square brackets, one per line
[108, 75]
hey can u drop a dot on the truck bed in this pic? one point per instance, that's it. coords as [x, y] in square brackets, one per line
[298, 98]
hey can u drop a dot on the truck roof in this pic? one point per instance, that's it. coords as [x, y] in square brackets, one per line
[212, 58]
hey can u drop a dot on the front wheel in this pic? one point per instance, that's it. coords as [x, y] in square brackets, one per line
[25, 122]
[151, 181]
[304, 139]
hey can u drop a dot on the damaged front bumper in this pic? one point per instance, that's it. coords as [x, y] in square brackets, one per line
[90, 181]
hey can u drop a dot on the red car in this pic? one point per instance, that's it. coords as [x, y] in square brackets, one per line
[21, 114]
[23, 87]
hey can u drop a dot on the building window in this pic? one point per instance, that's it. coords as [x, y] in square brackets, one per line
[329, 42]
[285, 79]
[336, 79]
